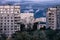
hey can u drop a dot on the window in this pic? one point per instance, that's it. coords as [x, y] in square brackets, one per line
[8, 17]
[7, 20]
[52, 21]
[1, 17]
[11, 23]
[1, 29]
[1, 26]
[4, 11]
[52, 18]
[4, 23]
[8, 26]
[49, 13]
[8, 12]
[49, 18]
[4, 28]
[1, 9]
[1, 12]
[17, 11]
[11, 20]
[8, 23]
[11, 11]
[7, 9]
[1, 23]
[11, 28]
[1, 20]
[11, 17]
[4, 20]
[15, 26]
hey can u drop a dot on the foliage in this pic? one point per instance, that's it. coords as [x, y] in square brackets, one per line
[42, 34]
[3, 37]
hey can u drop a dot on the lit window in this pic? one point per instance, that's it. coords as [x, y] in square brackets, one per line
[1, 9]
[4, 11]
[11, 9]
[12, 12]
[1, 12]
[8, 12]
[7, 9]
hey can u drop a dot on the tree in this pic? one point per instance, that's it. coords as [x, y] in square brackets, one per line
[3, 37]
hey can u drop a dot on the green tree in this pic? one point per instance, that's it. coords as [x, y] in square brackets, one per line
[3, 37]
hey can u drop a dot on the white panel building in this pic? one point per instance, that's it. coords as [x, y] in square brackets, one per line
[9, 15]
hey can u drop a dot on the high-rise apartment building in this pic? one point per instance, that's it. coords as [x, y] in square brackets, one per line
[53, 18]
[9, 15]
[27, 19]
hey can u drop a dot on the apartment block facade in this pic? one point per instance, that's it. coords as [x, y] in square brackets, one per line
[53, 18]
[9, 15]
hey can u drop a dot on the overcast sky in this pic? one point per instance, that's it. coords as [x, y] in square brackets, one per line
[49, 1]
[34, 0]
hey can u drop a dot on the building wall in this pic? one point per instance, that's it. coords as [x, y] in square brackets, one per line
[51, 18]
[58, 17]
[7, 19]
[28, 17]
[41, 19]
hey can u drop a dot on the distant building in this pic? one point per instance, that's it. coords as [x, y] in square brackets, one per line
[41, 22]
[41, 19]
[9, 15]
[53, 18]
[27, 19]
[41, 25]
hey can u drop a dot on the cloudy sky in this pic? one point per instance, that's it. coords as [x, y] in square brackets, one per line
[34, 0]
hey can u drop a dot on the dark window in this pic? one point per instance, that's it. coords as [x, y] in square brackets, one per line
[11, 20]
[17, 11]
[0, 26]
[8, 17]
[52, 21]
[49, 13]
[11, 28]
[4, 26]
[4, 23]
[1, 23]
[11, 23]
[49, 18]
[5, 18]
[1, 29]
[8, 20]
[4, 29]
[52, 18]
[1, 20]
[15, 28]
[1, 17]
[11, 17]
